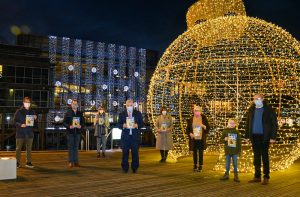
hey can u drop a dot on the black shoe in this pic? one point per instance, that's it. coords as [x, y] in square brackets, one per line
[98, 155]
[103, 155]
[225, 177]
[195, 168]
[161, 161]
[29, 165]
[134, 170]
[125, 171]
[265, 181]
[18, 165]
[200, 168]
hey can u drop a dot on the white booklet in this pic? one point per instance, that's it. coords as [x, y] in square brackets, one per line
[232, 138]
[29, 120]
[197, 131]
[130, 122]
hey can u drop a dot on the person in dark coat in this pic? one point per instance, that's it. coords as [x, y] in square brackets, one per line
[197, 129]
[74, 122]
[24, 120]
[130, 122]
[261, 128]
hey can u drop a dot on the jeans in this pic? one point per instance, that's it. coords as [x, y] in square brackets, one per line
[101, 140]
[234, 162]
[198, 147]
[19, 145]
[261, 152]
[73, 145]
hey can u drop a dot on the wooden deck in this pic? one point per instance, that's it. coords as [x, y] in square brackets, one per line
[103, 177]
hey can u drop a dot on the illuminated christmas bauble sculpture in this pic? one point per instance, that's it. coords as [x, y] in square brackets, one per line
[219, 63]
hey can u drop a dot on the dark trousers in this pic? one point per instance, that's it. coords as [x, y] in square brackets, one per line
[73, 145]
[198, 151]
[130, 143]
[261, 152]
[164, 154]
[19, 145]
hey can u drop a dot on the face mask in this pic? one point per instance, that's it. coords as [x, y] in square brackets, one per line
[197, 113]
[231, 125]
[164, 113]
[74, 106]
[258, 103]
[101, 111]
[129, 108]
[26, 105]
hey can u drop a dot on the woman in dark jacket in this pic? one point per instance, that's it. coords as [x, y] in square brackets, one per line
[197, 129]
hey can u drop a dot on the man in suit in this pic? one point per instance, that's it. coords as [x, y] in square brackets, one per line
[261, 128]
[130, 122]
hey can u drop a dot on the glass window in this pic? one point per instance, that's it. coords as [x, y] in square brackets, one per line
[36, 81]
[10, 71]
[28, 80]
[19, 80]
[36, 96]
[28, 72]
[18, 103]
[27, 93]
[45, 73]
[44, 96]
[20, 72]
[10, 79]
[19, 94]
[43, 104]
[36, 72]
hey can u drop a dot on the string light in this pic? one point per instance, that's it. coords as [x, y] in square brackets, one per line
[219, 64]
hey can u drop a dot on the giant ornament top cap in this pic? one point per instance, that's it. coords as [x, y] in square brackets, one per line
[204, 10]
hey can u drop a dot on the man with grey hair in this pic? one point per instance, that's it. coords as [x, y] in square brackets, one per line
[130, 122]
[261, 128]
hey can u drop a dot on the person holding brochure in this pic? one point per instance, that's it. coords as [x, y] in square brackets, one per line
[24, 120]
[232, 139]
[74, 122]
[197, 129]
[164, 139]
[101, 124]
[130, 122]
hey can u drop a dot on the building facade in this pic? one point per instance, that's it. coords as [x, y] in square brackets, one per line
[24, 71]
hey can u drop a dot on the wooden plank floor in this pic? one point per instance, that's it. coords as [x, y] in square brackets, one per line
[103, 177]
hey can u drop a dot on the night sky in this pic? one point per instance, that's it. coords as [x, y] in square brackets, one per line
[150, 24]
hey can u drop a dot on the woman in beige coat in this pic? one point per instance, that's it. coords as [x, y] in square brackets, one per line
[164, 139]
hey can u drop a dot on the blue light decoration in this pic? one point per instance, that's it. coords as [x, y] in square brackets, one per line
[122, 75]
[74, 94]
[65, 63]
[131, 70]
[88, 103]
[114, 69]
[100, 74]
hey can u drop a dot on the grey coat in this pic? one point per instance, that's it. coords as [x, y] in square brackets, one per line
[105, 125]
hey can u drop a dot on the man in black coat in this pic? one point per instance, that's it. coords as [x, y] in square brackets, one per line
[24, 119]
[74, 122]
[261, 128]
[130, 122]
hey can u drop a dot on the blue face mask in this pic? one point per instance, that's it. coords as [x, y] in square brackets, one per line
[129, 108]
[258, 103]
